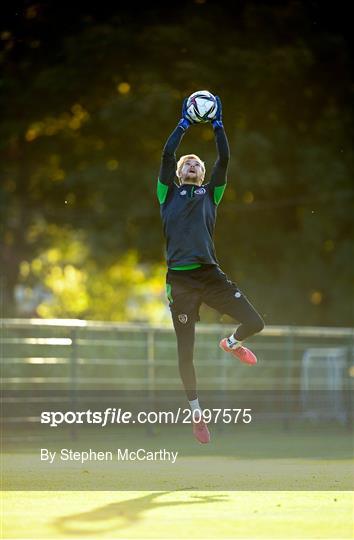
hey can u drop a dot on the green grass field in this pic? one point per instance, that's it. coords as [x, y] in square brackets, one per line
[287, 486]
[178, 514]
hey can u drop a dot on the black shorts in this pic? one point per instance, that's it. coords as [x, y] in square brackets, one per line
[188, 289]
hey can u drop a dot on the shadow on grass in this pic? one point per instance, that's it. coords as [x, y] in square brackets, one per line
[120, 515]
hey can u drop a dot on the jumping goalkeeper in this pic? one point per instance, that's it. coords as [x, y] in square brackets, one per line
[188, 210]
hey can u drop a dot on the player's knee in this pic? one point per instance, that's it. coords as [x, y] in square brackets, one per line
[257, 324]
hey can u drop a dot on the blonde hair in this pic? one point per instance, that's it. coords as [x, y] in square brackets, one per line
[182, 161]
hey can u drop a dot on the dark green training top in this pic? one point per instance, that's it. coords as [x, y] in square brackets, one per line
[188, 212]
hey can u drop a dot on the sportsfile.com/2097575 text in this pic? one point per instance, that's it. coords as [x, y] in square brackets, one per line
[120, 416]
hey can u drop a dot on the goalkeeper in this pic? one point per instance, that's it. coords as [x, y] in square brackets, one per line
[188, 210]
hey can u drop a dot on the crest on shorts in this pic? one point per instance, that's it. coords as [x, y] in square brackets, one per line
[183, 318]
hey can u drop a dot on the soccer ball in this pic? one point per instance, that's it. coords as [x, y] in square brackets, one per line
[201, 106]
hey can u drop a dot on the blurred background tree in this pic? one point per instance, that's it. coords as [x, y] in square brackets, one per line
[89, 96]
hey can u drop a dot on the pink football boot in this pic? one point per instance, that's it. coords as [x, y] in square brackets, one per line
[201, 432]
[241, 353]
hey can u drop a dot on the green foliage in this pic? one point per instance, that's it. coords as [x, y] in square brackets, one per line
[78, 287]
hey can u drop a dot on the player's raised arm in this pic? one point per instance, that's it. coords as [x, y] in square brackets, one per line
[219, 173]
[167, 172]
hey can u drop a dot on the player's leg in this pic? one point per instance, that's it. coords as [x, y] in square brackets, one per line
[185, 334]
[251, 323]
[224, 296]
[184, 306]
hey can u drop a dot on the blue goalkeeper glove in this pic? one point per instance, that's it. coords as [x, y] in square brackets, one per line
[217, 122]
[185, 121]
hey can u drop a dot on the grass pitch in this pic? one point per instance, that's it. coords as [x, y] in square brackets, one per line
[178, 514]
[301, 488]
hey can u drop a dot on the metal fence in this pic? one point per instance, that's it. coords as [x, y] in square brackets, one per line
[76, 355]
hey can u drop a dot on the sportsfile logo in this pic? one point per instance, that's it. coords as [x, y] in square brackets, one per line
[113, 415]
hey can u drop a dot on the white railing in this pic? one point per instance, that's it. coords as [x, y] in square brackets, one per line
[76, 355]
